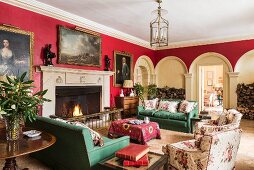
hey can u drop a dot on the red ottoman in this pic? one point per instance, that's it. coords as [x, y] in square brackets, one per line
[141, 133]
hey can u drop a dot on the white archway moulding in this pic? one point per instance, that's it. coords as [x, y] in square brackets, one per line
[244, 66]
[150, 69]
[251, 52]
[173, 58]
[209, 54]
[229, 79]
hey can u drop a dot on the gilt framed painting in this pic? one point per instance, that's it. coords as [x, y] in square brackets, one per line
[122, 67]
[79, 48]
[16, 52]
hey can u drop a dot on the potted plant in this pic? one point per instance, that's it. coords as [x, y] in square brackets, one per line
[17, 102]
[151, 91]
[139, 90]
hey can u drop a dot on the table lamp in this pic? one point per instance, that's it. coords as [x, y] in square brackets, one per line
[128, 84]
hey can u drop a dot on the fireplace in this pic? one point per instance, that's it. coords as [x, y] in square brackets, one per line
[74, 101]
[54, 77]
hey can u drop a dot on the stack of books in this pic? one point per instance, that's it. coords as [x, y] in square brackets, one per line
[134, 155]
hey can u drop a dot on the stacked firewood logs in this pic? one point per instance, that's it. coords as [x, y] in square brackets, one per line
[245, 100]
[171, 93]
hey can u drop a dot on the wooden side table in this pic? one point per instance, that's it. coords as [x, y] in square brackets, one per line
[11, 149]
[156, 161]
[129, 104]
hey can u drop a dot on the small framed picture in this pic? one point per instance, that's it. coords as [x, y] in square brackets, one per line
[209, 82]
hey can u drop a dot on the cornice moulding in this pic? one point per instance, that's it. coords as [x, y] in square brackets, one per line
[62, 15]
[200, 42]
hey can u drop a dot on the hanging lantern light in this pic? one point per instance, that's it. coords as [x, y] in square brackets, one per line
[159, 28]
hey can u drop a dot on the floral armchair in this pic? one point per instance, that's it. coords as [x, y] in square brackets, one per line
[216, 151]
[227, 121]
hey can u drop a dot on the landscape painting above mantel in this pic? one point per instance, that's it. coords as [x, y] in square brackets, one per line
[79, 48]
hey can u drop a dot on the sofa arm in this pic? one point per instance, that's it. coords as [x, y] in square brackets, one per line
[140, 108]
[100, 153]
[192, 114]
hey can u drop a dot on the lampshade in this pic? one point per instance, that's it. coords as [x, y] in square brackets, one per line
[128, 84]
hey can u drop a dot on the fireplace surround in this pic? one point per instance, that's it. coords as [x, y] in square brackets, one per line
[55, 77]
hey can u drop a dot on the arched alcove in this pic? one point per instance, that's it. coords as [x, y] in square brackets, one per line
[245, 68]
[210, 59]
[170, 72]
[144, 71]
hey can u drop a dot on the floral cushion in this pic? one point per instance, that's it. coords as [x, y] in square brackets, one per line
[97, 139]
[222, 120]
[186, 106]
[164, 105]
[150, 104]
[172, 106]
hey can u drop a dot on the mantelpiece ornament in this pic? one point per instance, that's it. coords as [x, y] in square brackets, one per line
[59, 80]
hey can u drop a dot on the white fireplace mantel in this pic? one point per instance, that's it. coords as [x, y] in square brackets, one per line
[58, 76]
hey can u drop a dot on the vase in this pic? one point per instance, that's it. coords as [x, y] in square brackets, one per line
[12, 127]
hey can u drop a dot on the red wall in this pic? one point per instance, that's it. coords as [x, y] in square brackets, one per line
[231, 50]
[45, 32]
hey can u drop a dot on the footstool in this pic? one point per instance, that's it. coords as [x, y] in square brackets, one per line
[141, 133]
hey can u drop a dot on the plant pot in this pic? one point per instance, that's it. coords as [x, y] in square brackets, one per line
[12, 127]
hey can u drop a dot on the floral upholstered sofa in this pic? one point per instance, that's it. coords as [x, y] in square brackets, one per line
[170, 114]
[216, 150]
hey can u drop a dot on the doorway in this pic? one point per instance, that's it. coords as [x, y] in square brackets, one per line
[211, 88]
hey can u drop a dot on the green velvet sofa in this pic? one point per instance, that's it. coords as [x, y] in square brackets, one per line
[171, 121]
[74, 148]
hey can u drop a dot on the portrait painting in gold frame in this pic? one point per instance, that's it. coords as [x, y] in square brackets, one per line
[16, 52]
[122, 67]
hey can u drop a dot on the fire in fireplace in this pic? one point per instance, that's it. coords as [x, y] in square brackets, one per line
[74, 101]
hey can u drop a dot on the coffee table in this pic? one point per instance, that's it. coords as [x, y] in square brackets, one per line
[156, 161]
[141, 133]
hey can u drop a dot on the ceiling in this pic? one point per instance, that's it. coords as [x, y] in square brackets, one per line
[189, 20]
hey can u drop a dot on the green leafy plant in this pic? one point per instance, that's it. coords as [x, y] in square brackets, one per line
[139, 89]
[152, 91]
[17, 98]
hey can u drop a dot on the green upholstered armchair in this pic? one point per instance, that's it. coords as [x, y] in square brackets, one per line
[74, 148]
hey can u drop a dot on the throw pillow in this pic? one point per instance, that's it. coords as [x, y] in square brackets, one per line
[150, 104]
[187, 106]
[163, 105]
[231, 113]
[97, 139]
[222, 120]
[172, 106]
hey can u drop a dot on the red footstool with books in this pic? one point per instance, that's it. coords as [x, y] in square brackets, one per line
[141, 133]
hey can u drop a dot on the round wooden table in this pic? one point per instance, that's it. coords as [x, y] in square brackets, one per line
[11, 149]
